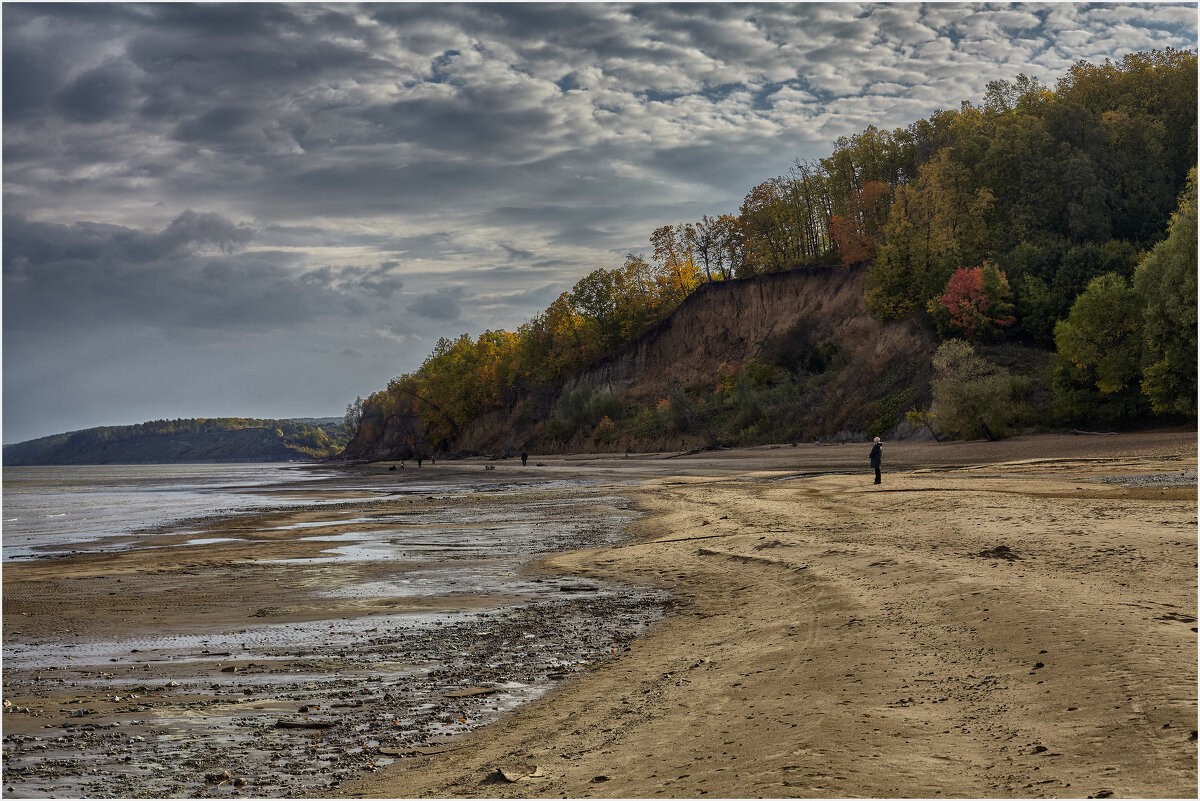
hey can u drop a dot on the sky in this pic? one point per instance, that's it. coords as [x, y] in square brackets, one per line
[265, 210]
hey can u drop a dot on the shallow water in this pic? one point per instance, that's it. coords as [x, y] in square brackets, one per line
[69, 506]
[160, 711]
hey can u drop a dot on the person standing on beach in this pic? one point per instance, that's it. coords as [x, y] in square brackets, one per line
[524, 458]
[877, 458]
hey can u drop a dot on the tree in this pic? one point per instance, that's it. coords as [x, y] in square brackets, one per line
[975, 304]
[1098, 361]
[354, 416]
[731, 245]
[896, 277]
[595, 296]
[972, 397]
[1165, 281]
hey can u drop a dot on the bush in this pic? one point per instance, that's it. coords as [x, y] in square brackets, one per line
[888, 408]
[972, 397]
[606, 431]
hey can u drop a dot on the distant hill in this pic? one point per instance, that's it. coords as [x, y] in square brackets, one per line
[1045, 237]
[224, 439]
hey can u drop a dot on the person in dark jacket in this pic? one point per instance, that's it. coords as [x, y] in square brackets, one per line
[877, 458]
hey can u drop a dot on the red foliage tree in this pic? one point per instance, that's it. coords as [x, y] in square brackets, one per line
[975, 302]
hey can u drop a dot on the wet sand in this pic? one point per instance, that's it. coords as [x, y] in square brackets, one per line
[995, 619]
[277, 653]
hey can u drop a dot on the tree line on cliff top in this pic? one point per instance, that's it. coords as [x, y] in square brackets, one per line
[1038, 217]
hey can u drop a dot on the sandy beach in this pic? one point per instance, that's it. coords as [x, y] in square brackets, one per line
[994, 620]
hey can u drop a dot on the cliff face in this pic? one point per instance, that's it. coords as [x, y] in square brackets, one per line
[392, 440]
[731, 321]
[850, 372]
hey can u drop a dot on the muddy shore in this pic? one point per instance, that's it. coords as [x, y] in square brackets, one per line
[995, 619]
[279, 652]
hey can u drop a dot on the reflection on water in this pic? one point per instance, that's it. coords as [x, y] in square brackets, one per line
[77, 505]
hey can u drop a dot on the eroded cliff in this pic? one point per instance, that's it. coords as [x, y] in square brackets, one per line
[825, 370]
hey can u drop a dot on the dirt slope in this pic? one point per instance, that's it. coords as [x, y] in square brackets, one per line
[727, 322]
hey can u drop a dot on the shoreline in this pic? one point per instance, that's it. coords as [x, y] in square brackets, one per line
[272, 653]
[780, 588]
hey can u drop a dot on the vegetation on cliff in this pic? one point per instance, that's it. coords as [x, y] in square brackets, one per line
[221, 439]
[1034, 223]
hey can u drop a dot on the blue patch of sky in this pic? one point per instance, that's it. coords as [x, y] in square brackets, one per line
[567, 82]
[721, 91]
[821, 97]
[438, 67]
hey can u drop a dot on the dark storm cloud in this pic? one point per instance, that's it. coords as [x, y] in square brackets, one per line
[516, 254]
[223, 124]
[187, 275]
[99, 94]
[387, 159]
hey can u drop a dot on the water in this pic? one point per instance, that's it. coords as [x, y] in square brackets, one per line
[55, 507]
[154, 711]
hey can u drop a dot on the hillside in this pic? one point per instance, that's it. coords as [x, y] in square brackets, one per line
[793, 356]
[182, 441]
[1025, 261]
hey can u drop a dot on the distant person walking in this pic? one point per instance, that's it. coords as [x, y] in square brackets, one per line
[877, 458]
[524, 458]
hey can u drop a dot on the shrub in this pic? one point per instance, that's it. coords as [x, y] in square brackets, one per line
[606, 431]
[972, 397]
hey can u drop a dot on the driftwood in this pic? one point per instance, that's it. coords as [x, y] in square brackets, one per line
[1095, 433]
[516, 772]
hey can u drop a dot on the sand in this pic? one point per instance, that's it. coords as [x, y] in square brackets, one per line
[994, 620]
[841, 639]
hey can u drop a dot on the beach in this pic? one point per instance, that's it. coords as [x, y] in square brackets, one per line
[995, 619]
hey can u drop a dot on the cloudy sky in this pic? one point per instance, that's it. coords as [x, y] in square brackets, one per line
[265, 210]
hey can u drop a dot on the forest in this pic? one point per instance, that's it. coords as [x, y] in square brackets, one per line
[183, 440]
[1049, 229]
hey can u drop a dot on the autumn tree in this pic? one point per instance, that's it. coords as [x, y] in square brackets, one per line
[976, 303]
[859, 233]
[677, 271]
